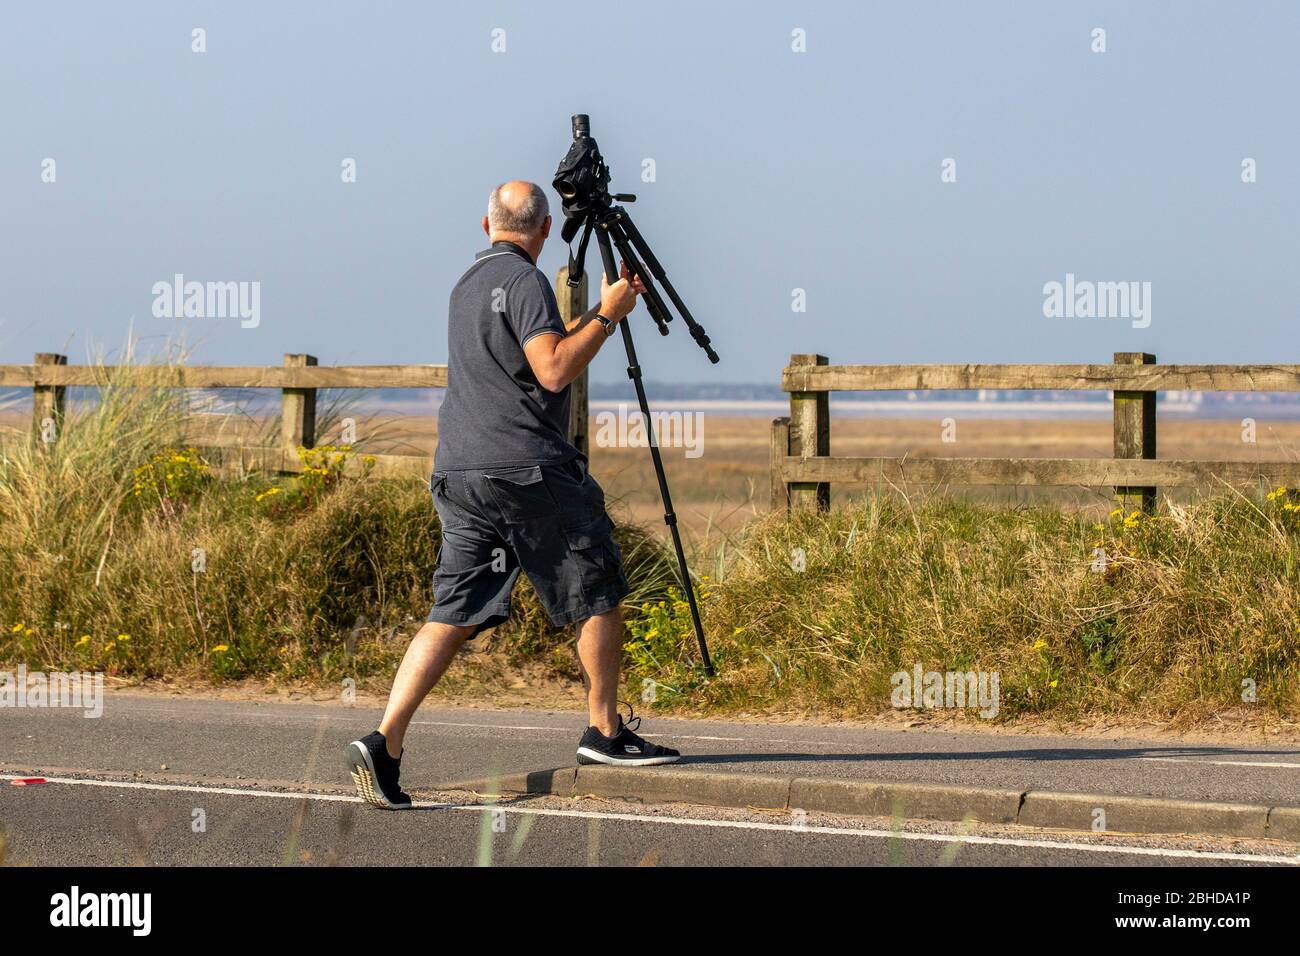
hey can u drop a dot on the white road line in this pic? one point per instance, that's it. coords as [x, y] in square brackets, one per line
[907, 835]
[566, 730]
[459, 723]
[695, 822]
[569, 731]
[309, 718]
[190, 788]
[1225, 763]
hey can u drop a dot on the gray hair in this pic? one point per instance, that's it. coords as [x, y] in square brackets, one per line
[522, 215]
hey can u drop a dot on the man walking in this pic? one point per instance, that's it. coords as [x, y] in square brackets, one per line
[512, 493]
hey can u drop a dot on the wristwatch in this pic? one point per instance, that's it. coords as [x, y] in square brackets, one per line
[609, 326]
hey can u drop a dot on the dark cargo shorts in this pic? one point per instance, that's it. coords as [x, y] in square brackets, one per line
[548, 520]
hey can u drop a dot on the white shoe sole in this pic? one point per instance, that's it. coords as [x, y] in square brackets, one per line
[587, 755]
[362, 769]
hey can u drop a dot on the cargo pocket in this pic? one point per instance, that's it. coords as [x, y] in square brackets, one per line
[520, 494]
[595, 494]
[595, 553]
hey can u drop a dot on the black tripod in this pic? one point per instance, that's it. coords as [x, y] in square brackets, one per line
[613, 227]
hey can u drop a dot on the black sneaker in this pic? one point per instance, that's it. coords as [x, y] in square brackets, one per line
[375, 773]
[625, 748]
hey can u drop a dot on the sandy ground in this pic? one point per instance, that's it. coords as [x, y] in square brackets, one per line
[727, 484]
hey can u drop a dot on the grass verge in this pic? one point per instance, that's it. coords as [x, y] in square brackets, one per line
[121, 551]
[1179, 615]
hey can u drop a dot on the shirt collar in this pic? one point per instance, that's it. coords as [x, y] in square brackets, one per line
[505, 245]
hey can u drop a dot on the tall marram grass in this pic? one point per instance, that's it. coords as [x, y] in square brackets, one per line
[312, 578]
[120, 550]
[1188, 612]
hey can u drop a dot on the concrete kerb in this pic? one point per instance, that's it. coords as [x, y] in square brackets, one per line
[1115, 814]
[911, 801]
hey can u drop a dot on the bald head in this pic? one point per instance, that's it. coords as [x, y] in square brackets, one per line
[518, 213]
[518, 208]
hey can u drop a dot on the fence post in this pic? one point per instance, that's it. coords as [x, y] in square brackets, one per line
[780, 448]
[48, 400]
[573, 303]
[1135, 433]
[297, 410]
[810, 435]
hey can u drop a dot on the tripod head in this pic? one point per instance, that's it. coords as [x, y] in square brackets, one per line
[582, 180]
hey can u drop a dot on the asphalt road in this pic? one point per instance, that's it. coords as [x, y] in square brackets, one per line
[94, 823]
[301, 743]
[268, 785]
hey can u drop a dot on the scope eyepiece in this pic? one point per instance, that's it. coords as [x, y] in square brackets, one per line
[581, 125]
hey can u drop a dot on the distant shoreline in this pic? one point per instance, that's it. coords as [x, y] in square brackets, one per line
[1020, 404]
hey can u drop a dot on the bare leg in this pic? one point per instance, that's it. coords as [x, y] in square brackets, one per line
[425, 661]
[600, 654]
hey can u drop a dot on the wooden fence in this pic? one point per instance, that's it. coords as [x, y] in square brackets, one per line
[802, 467]
[298, 380]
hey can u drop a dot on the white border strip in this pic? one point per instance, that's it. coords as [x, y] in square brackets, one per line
[1225, 763]
[690, 821]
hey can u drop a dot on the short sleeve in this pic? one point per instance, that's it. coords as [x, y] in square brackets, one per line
[531, 308]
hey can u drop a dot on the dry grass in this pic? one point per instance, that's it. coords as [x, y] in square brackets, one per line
[1190, 604]
[301, 578]
[321, 583]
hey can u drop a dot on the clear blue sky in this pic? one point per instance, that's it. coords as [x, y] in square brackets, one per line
[775, 170]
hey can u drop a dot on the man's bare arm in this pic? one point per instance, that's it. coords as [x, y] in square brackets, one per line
[557, 360]
[575, 324]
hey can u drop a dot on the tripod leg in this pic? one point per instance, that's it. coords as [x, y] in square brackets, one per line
[607, 256]
[670, 517]
[654, 303]
[630, 232]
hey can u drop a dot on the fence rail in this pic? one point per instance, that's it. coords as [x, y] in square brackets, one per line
[299, 379]
[1137, 378]
[230, 376]
[802, 467]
